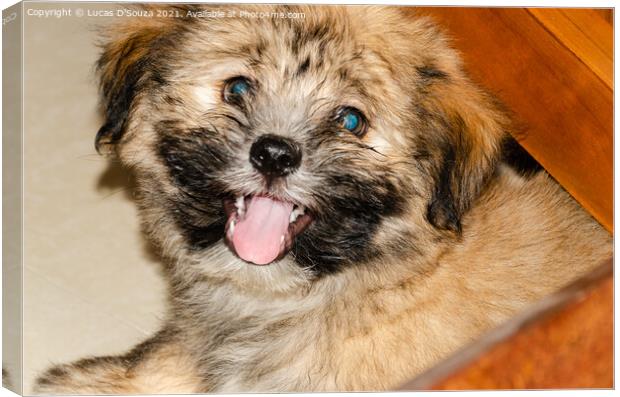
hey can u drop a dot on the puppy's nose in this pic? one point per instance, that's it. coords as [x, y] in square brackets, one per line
[274, 155]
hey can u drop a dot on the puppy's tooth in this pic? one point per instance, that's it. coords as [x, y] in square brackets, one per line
[281, 239]
[296, 213]
[231, 228]
[240, 204]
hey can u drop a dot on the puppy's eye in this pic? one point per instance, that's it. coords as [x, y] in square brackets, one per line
[353, 120]
[236, 88]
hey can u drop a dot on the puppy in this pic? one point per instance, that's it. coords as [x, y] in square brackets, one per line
[339, 206]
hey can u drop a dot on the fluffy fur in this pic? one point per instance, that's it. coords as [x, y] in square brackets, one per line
[428, 230]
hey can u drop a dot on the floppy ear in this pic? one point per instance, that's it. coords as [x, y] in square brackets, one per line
[129, 63]
[471, 129]
[123, 70]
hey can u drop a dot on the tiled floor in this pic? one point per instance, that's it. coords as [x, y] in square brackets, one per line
[91, 285]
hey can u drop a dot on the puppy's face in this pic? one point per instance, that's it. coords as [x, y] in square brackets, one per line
[301, 144]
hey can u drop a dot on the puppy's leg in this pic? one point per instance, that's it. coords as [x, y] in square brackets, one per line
[158, 365]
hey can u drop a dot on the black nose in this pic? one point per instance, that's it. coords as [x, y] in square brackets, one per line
[274, 155]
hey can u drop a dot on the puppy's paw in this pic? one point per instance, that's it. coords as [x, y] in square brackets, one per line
[99, 375]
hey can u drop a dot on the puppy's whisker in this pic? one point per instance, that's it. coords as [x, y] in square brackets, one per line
[117, 191]
[195, 196]
[371, 148]
[92, 157]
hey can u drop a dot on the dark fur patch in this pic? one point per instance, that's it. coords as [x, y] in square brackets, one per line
[146, 348]
[428, 72]
[303, 68]
[441, 211]
[128, 66]
[303, 36]
[53, 375]
[351, 213]
[57, 372]
[61, 373]
[461, 176]
[518, 158]
[191, 161]
[118, 100]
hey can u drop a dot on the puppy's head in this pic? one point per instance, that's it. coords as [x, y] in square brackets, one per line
[288, 143]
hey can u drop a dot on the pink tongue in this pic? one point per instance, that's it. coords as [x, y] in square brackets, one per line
[258, 236]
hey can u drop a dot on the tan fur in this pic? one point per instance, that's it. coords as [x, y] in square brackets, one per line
[474, 242]
[156, 367]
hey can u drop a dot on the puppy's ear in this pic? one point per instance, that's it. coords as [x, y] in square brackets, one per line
[127, 65]
[122, 69]
[469, 129]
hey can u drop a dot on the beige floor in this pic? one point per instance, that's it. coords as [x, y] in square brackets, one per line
[91, 286]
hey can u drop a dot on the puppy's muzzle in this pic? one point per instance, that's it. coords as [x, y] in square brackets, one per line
[262, 227]
[275, 156]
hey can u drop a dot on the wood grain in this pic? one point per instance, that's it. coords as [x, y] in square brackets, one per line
[563, 110]
[584, 32]
[606, 13]
[564, 341]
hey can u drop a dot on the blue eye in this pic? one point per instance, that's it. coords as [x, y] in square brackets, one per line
[239, 87]
[235, 88]
[352, 119]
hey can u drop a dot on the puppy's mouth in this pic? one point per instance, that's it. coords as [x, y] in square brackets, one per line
[262, 229]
